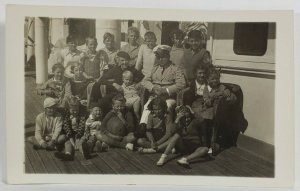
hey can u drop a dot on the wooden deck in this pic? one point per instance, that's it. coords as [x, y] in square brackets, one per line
[231, 162]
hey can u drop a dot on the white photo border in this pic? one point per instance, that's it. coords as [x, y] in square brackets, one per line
[284, 94]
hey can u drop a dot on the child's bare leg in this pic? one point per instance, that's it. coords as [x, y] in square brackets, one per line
[170, 145]
[112, 142]
[137, 107]
[199, 152]
[143, 142]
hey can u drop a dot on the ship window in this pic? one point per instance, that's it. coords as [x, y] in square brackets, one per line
[250, 39]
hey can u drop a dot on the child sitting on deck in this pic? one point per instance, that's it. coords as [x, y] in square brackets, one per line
[117, 129]
[48, 125]
[159, 129]
[73, 128]
[92, 125]
[187, 139]
[57, 87]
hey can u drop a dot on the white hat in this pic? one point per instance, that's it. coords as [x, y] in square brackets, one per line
[48, 102]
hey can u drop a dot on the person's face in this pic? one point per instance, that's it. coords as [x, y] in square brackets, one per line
[177, 40]
[74, 110]
[150, 42]
[200, 76]
[58, 74]
[123, 63]
[72, 46]
[132, 38]
[214, 81]
[50, 111]
[78, 71]
[187, 117]
[194, 43]
[157, 111]
[163, 61]
[118, 106]
[127, 80]
[92, 45]
[109, 43]
[97, 113]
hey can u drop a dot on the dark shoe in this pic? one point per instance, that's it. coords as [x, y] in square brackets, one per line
[36, 147]
[68, 157]
[59, 155]
[59, 147]
[50, 148]
[85, 150]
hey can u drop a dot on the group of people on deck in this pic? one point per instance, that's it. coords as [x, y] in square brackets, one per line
[94, 101]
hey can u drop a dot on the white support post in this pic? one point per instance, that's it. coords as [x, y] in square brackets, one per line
[41, 46]
[30, 39]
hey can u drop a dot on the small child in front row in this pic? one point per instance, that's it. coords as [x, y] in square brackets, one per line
[130, 90]
[92, 125]
[73, 128]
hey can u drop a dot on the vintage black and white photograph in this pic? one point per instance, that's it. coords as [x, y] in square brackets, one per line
[139, 98]
[149, 97]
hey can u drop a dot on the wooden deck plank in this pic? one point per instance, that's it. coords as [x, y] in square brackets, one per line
[64, 169]
[28, 165]
[133, 169]
[49, 164]
[37, 163]
[87, 164]
[101, 165]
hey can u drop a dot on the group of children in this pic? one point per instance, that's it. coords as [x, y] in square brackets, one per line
[77, 88]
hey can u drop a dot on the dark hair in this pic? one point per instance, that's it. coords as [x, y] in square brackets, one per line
[93, 105]
[150, 34]
[108, 35]
[214, 72]
[204, 67]
[118, 97]
[102, 52]
[177, 32]
[58, 65]
[71, 38]
[158, 102]
[133, 29]
[197, 34]
[123, 54]
[90, 38]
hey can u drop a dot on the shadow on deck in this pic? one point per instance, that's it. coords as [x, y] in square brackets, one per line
[231, 162]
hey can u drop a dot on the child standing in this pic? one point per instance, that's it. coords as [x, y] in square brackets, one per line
[130, 90]
[177, 51]
[73, 128]
[146, 57]
[92, 125]
[91, 59]
[196, 55]
[70, 55]
[132, 48]
[57, 87]
[111, 51]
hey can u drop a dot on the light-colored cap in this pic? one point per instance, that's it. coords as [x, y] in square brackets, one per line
[49, 102]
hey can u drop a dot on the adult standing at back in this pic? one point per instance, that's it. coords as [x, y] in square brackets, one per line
[132, 48]
[196, 55]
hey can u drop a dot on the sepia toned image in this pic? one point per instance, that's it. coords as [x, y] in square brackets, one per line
[149, 97]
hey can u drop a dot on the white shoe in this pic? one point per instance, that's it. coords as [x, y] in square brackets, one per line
[173, 151]
[161, 161]
[209, 150]
[129, 147]
[183, 162]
